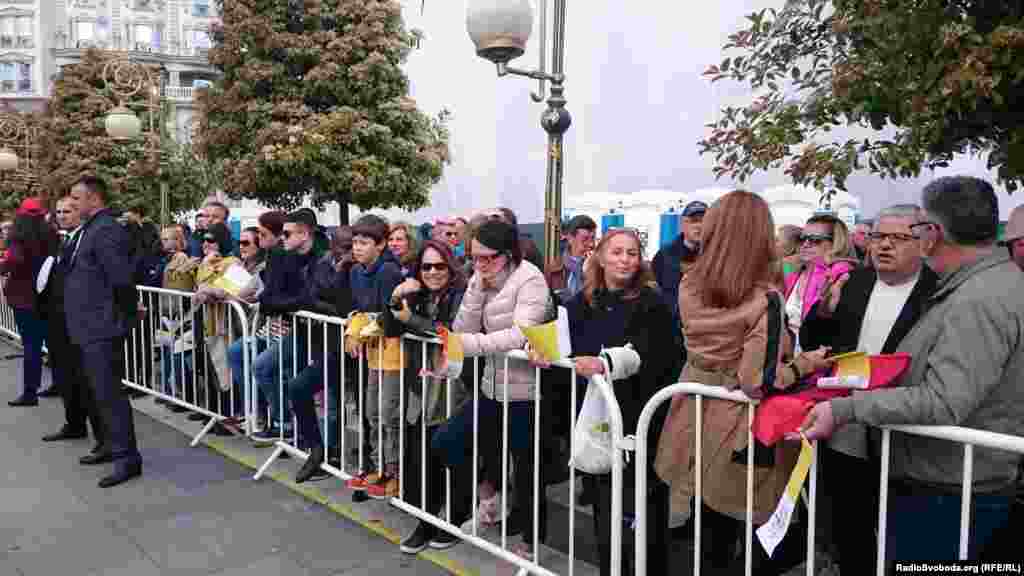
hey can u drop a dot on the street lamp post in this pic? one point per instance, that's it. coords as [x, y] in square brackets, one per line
[500, 30]
[17, 147]
[125, 79]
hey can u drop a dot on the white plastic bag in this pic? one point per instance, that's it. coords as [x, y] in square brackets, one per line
[592, 437]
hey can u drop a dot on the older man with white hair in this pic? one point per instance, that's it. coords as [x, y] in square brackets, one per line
[871, 311]
[1014, 236]
[966, 369]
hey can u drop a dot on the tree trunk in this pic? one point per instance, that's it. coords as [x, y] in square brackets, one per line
[342, 208]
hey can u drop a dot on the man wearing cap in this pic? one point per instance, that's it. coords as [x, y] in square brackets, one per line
[669, 263]
[1014, 236]
[565, 276]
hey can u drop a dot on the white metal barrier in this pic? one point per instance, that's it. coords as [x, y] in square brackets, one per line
[171, 331]
[475, 535]
[700, 391]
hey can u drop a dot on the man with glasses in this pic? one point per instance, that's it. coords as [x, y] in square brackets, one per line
[966, 369]
[871, 310]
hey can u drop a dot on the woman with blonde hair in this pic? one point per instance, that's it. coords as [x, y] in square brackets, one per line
[825, 259]
[403, 245]
[788, 243]
[732, 319]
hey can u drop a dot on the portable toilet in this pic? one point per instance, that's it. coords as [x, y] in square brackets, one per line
[613, 219]
[668, 229]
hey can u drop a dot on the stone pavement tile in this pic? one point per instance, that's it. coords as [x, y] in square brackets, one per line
[409, 567]
[77, 546]
[270, 566]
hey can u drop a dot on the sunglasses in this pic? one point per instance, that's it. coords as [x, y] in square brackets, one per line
[486, 259]
[209, 240]
[433, 266]
[451, 234]
[244, 243]
[815, 238]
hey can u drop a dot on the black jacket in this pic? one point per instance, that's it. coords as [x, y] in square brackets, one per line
[644, 322]
[842, 330]
[668, 271]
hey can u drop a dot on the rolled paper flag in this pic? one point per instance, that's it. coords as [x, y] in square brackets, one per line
[452, 352]
[356, 324]
[779, 415]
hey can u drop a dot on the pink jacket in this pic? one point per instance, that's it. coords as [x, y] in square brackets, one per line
[821, 276]
[487, 320]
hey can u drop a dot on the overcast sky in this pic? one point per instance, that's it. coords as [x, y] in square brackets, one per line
[636, 95]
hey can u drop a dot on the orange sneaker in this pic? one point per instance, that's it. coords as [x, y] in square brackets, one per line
[363, 481]
[387, 488]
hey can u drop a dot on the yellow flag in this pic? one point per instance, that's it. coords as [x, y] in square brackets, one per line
[854, 365]
[774, 530]
[544, 339]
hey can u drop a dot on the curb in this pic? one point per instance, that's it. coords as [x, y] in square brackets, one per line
[315, 495]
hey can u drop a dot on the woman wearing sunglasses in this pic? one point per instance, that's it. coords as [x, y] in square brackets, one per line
[430, 297]
[825, 261]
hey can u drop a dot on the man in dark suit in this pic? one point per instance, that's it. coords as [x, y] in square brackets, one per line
[100, 312]
[67, 357]
[871, 311]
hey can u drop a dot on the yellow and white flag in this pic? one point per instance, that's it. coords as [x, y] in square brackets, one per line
[551, 339]
[774, 530]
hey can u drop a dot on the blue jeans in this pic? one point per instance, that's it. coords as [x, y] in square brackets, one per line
[236, 359]
[33, 334]
[176, 370]
[277, 360]
[908, 513]
[301, 391]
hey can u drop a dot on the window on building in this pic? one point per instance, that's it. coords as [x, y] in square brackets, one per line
[85, 31]
[200, 39]
[201, 8]
[24, 30]
[24, 77]
[8, 76]
[7, 32]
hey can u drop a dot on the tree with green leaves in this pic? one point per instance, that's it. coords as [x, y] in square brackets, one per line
[72, 140]
[313, 105]
[907, 84]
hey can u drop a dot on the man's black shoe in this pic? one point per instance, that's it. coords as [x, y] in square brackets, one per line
[125, 469]
[97, 448]
[65, 433]
[311, 466]
[197, 417]
[22, 401]
[101, 457]
[50, 392]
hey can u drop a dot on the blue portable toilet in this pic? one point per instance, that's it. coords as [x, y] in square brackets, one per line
[668, 229]
[612, 220]
[235, 225]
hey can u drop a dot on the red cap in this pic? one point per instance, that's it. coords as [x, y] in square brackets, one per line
[31, 207]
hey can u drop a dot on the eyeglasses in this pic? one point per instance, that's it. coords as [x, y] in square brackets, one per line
[895, 238]
[209, 239]
[815, 238]
[486, 259]
[433, 266]
[914, 227]
[244, 243]
[451, 234]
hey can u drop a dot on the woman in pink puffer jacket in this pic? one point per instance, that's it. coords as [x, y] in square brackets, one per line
[505, 292]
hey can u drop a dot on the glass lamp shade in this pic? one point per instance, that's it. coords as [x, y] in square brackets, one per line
[8, 159]
[123, 124]
[499, 28]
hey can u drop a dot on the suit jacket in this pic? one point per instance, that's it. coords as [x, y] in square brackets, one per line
[101, 301]
[51, 300]
[842, 330]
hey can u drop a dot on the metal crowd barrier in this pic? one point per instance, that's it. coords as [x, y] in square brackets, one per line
[171, 332]
[475, 535]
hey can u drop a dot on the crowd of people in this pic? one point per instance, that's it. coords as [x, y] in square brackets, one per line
[732, 302]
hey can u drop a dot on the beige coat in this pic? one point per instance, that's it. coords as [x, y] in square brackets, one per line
[725, 347]
[488, 320]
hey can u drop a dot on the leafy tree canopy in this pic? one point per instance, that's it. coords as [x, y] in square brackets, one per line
[313, 103]
[73, 141]
[925, 80]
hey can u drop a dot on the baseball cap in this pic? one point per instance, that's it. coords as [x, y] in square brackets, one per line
[31, 207]
[695, 208]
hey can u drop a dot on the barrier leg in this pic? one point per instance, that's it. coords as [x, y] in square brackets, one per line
[273, 456]
[206, 429]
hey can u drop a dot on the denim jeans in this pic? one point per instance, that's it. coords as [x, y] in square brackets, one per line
[33, 334]
[301, 391]
[236, 359]
[176, 370]
[278, 359]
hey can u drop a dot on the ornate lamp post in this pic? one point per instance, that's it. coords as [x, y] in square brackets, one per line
[15, 136]
[125, 79]
[500, 30]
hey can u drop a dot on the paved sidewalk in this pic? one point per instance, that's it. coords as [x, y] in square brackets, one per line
[192, 512]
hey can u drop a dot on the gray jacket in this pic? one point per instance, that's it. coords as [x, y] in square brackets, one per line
[967, 369]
